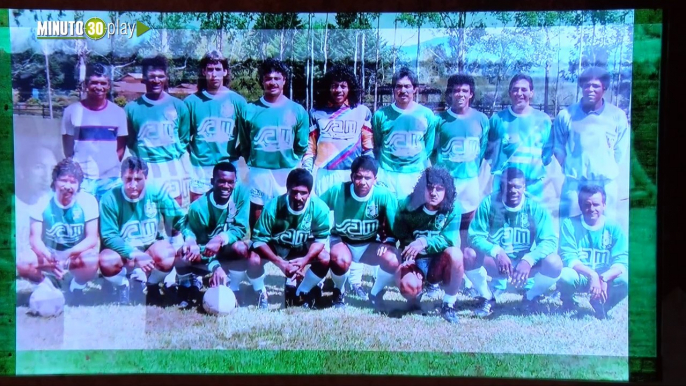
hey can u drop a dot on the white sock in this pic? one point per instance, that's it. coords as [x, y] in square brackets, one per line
[184, 280]
[157, 276]
[450, 299]
[479, 278]
[309, 281]
[355, 273]
[541, 284]
[383, 279]
[74, 285]
[139, 275]
[257, 283]
[375, 272]
[118, 279]
[468, 283]
[339, 281]
[236, 277]
[170, 280]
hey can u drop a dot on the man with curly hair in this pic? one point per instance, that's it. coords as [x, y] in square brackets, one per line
[428, 227]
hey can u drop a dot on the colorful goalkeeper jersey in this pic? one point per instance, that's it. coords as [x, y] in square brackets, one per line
[206, 219]
[438, 231]
[461, 142]
[598, 247]
[64, 226]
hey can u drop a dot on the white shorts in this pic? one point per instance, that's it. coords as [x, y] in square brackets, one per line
[400, 184]
[356, 250]
[468, 193]
[266, 184]
[201, 179]
[173, 176]
[325, 179]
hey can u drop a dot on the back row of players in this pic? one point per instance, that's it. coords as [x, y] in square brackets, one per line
[187, 151]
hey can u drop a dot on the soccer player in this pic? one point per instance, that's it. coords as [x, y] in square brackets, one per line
[428, 227]
[130, 223]
[512, 237]
[64, 233]
[292, 232]
[404, 135]
[595, 253]
[361, 208]
[215, 233]
[159, 132]
[94, 133]
[340, 132]
[216, 112]
[591, 140]
[274, 139]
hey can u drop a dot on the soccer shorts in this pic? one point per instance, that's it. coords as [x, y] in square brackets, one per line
[426, 263]
[468, 193]
[201, 179]
[325, 179]
[288, 253]
[400, 184]
[266, 184]
[172, 176]
[499, 282]
[357, 251]
[569, 198]
[571, 282]
[97, 188]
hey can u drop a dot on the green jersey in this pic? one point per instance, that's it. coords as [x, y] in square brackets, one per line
[64, 226]
[359, 219]
[158, 129]
[525, 230]
[128, 225]
[286, 228]
[214, 124]
[437, 231]
[404, 139]
[276, 134]
[598, 247]
[461, 142]
[206, 219]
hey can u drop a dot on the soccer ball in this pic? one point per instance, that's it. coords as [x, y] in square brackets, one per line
[219, 300]
[46, 300]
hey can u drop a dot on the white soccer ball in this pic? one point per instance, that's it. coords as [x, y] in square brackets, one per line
[219, 300]
[46, 300]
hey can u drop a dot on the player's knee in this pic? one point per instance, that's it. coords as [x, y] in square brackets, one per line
[621, 281]
[410, 285]
[567, 281]
[469, 259]
[553, 264]
[323, 258]
[454, 255]
[390, 258]
[26, 263]
[340, 260]
[240, 249]
[110, 262]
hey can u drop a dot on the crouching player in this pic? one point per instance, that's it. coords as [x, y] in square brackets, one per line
[594, 249]
[133, 240]
[428, 226]
[63, 233]
[214, 235]
[360, 207]
[292, 232]
[512, 236]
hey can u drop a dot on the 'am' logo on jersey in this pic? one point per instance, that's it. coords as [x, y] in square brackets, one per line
[461, 149]
[273, 139]
[425, 233]
[154, 133]
[358, 229]
[216, 129]
[339, 129]
[62, 233]
[140, 233]
[594, 258]
[405, 143]
[292, 237]
[513, 239]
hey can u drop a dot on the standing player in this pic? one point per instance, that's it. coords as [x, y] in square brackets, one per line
[215, 233]
[340, 132]
[64, 233]
[94, 133]
[512, 236]
[216, 113]
[274, 139]
[404, 135]
[130, 220]
[595, 252]
[361, 209]
[428, 227]
[291, 233]
[159, 132]
[591, 140]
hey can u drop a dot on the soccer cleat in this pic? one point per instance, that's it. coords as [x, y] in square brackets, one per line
[338, 298]
[377, 302]
[448, 313]
[263, 300]
[533, 306]
[484, 307]
[122, 294]
[357, 290]
[153, 297]
[75, 297]
[240, 298]
[289, 296]
[598, 309]
[311, 298]
[470, 292]
[568, 305]
[432, 291]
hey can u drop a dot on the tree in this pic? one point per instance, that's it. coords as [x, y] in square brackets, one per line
[417, 20]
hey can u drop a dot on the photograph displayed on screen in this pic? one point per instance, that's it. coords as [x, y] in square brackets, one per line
[390, 182]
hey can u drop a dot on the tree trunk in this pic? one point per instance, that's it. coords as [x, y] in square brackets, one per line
[221, 32]
[419, 28]
[547, 72]
[395, 52]
[312, 64]
[461, 36]
[557, 77]
[281, 39]
[163, 36]
[355, 59]
[376, 66]
[47, 77]
[326, 41]
[581, 52]
[495, 93]
[619, 71]
[362, 59]
[290, 84]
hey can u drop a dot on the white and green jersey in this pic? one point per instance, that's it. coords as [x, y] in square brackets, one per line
[461, 142]
[128, 225]
[276, 134]
[438, 231]
[214, 125]
[404, 139]
[598, 247]
[64, 226]
[359, 219]
[526, 229]
[206, 219]
[159, 130]
[280, 225]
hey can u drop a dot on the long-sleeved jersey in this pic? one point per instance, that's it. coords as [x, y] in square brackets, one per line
[206, 219]
[461, 142]
[438, 231]
[599, 247]
[64, 226]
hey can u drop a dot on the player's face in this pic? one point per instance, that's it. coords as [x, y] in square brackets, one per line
[363, 180]
[224, 183]
[39, 172]
[592, 207]
[98, 87]
[462, 94]
[592, 92]
[66, 186]
[404, 91]
[134, 183]
[514, 191]
[155, 81]
[273, 84]
[298, 196]
[433, 196]
[521, 94]
[214, 74]
[339, 92]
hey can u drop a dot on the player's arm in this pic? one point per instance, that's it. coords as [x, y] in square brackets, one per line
[433, 156]
[109, 230]
[122, 133]
[195, 223]
[132, 137]
[569, 250]
[546, 239]
[302, 133]
[485, 132]
[311, 153]
[377, 133]
[234, 146]
[620, 256]
[623, 138]
[67, 134]
[449, 236]
[493, 138]
[548, 141]
[479, 230]
[320, 231]
[184, 125]
[390, 213]
[263, 234]
[174, 218]
[560, 134]
[239, 230]
[367, 135]
[37, 244]
[244, 141]
[430, 135]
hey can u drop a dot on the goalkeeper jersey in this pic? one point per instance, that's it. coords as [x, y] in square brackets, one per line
[206, 219]
[438, 230]
[64, 226]
[598, 247]
[461, 142]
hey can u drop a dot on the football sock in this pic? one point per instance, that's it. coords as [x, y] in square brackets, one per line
[235, 278]
[450, 299]
[74, 285]
[467, 283]
[310, 280]
[118, 279]
[184, 280]
[375, 272]
[355, 273]
[479, 280]
[139, 275]
[157, 276]
[257, 283]
[383, 279]
[339, 281]
[170, 280]
[541, 284]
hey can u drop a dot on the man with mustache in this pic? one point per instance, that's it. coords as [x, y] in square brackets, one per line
[64, 234]
[94, 133]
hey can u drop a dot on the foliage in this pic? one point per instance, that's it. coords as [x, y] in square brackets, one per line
[121, 101]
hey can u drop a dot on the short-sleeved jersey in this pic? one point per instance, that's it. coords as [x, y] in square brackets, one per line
[404, 139]
[520, 140]
[206, 219]
[338, 136]
[461, 141]
[95, 138]
[64, 226]
[127, 225]
[284, 227]
[439, 230]
[214, 125]
[276, 134]
[598, 247]
[158, 129]
[359, 219]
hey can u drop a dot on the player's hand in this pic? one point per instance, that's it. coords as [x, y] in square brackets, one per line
[144, 261]
[285, 267]
[218, 278]
[504, 264]
[603, 291]
[300, 262]
[212, 248]
[381, 250]
[521, 274]
[411, 251]
[190, 251]
[595, 287]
